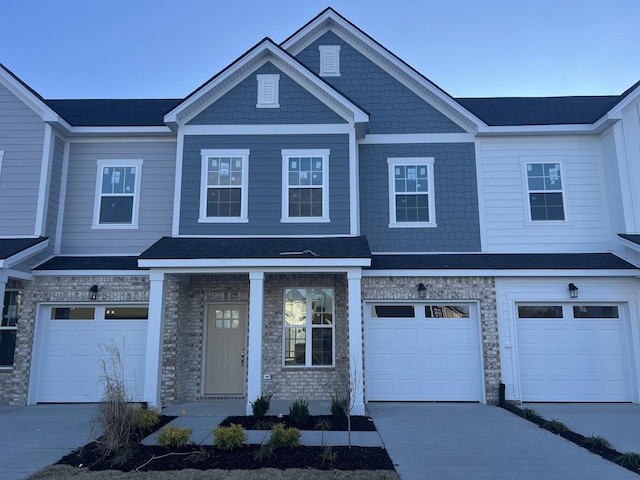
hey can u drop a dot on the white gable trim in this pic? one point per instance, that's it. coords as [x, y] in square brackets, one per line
[45, 181]
[24, 254]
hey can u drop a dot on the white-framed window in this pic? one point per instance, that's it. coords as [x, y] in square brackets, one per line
[329, 60]
[117, 194]
[9, 326]
[545, 192]
[223, 191]
[411, 192]
[268, 90]
[305, 180]
[309, 327]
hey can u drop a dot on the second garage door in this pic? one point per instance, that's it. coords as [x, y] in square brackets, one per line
[416, 352]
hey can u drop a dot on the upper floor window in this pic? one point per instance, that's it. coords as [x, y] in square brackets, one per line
[329, 60]
[268, 90]
[117, 194]
[411, 192]
[544, 183]
[223, 193]
[305, 196]
[8, 326]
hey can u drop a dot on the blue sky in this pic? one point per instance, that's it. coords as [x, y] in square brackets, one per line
[470, 48]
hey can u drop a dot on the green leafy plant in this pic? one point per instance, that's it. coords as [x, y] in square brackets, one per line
[530, 414]
[264, 453]
[283, 437]
[339, 408]
[229, 438]
[171, 436]
[596, 442]
[629, 460]
[145, 418]
[329, 455]
[200, 456]
[299, 411]
[261, 406]
[122, 456]
[323, 424]
[555, 426]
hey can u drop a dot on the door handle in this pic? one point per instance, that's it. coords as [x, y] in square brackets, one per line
[242, 358]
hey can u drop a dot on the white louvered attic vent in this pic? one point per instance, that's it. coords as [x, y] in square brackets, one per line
[330, 60]
[268, 90]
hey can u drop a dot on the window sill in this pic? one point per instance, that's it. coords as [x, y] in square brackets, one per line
[547, 223]
[222, 220]
[413, 225]
[268, 105]
[306, 367]
[305, 220]
[114, 226]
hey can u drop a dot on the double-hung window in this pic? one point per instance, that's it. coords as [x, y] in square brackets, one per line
[223, 193]
[309, 336]
[305, 179]
[8, 326]
[411, 192]
[544, 183]
[117, 194]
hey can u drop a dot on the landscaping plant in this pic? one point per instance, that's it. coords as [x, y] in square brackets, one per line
[229, 438]
[174, 436]
[145, 418]
[283, 437]
[261, 406]
[299, 411]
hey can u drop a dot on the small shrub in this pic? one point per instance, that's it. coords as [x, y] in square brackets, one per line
[264, 453]
[261, 406]
[323, 424]
[299, 411]
[629, 460]
[200, 456]
[329, 455]
[596, 442]
[121, 457]
[263, 425]
[339, 408]
[228, 438]
[283, 437]
[530, 414]
[555, 426]
[171, 436]
[145, 418]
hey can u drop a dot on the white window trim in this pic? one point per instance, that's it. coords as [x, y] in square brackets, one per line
[244, 194]
[127, 163]
[264, 80]
[528, 220]
[308, 326]
[1, 158]
[429, 163]
[325, 51]
[324, 153]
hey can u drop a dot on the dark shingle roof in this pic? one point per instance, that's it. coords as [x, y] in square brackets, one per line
[196, 248]
[114, 113]
[90, 263]
[635, 238]
[12, 246]
[514, 111]
[501, 261]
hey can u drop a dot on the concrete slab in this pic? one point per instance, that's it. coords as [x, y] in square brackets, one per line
[37, 436]
[462, 441]
[619, 423]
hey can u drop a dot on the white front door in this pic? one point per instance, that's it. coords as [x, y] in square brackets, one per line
[225, 349]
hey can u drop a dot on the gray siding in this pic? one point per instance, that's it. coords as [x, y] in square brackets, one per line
[54, 191]
[22, 139]
[393, 108]
[238, 106]
[265, 184]
[156, 197]
[456, 200]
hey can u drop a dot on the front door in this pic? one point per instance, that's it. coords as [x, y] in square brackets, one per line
[225, 356]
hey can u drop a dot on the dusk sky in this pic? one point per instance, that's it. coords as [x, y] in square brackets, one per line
[469, 48]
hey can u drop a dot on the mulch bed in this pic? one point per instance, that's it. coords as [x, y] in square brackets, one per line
[314, 422]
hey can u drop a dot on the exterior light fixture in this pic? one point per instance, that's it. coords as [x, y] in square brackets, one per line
[573, 290]
[93, 292]
[422, 290]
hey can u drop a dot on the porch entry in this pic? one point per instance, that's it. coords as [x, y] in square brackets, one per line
[225, 349]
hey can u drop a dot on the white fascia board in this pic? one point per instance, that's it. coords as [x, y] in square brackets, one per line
[401, 138]
[90, 273]
[120, 130]
[24, 254]
[314, 263]
[584, 129]
[178, 271]
[19, 275]
[270, 129]
[501, 273]
[616, 111]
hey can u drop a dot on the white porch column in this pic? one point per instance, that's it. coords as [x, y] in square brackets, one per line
[4, 278]
[254, 350]
[354, 278]
[155, 329]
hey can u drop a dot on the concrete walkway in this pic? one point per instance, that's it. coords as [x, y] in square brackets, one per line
[444, 441]
[619, 423]
[32, 438]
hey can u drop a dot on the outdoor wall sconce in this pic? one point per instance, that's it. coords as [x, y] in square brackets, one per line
[93, 292]
[573, 290]
[422, 290]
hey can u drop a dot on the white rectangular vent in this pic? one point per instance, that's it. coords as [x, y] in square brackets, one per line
[330, 60]
[268, 91]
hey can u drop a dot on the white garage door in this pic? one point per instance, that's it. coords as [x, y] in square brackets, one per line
[572, 353]
[73, 351]
[422, 352]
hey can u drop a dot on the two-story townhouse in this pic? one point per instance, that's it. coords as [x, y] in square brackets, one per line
[319, 206]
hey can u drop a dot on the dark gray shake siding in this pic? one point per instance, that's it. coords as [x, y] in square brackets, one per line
[265, 184]
[456, 199]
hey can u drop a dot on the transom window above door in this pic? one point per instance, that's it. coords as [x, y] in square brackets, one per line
[305, 180]
[411, 192]
[223, 191]
[117, 194]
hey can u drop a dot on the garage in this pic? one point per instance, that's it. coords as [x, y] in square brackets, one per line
[73, 342]
[572, 353]
[422, 352]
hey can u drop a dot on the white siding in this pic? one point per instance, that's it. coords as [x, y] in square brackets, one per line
[503, 193]
[156, 197]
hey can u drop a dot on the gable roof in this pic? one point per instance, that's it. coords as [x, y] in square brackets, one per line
[90, 263]
[13, 246]
[114, 112]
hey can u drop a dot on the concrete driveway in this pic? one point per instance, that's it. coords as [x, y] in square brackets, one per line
[32, 438]
[447, 441]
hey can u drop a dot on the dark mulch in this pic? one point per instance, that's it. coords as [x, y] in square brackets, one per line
[314, 422]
